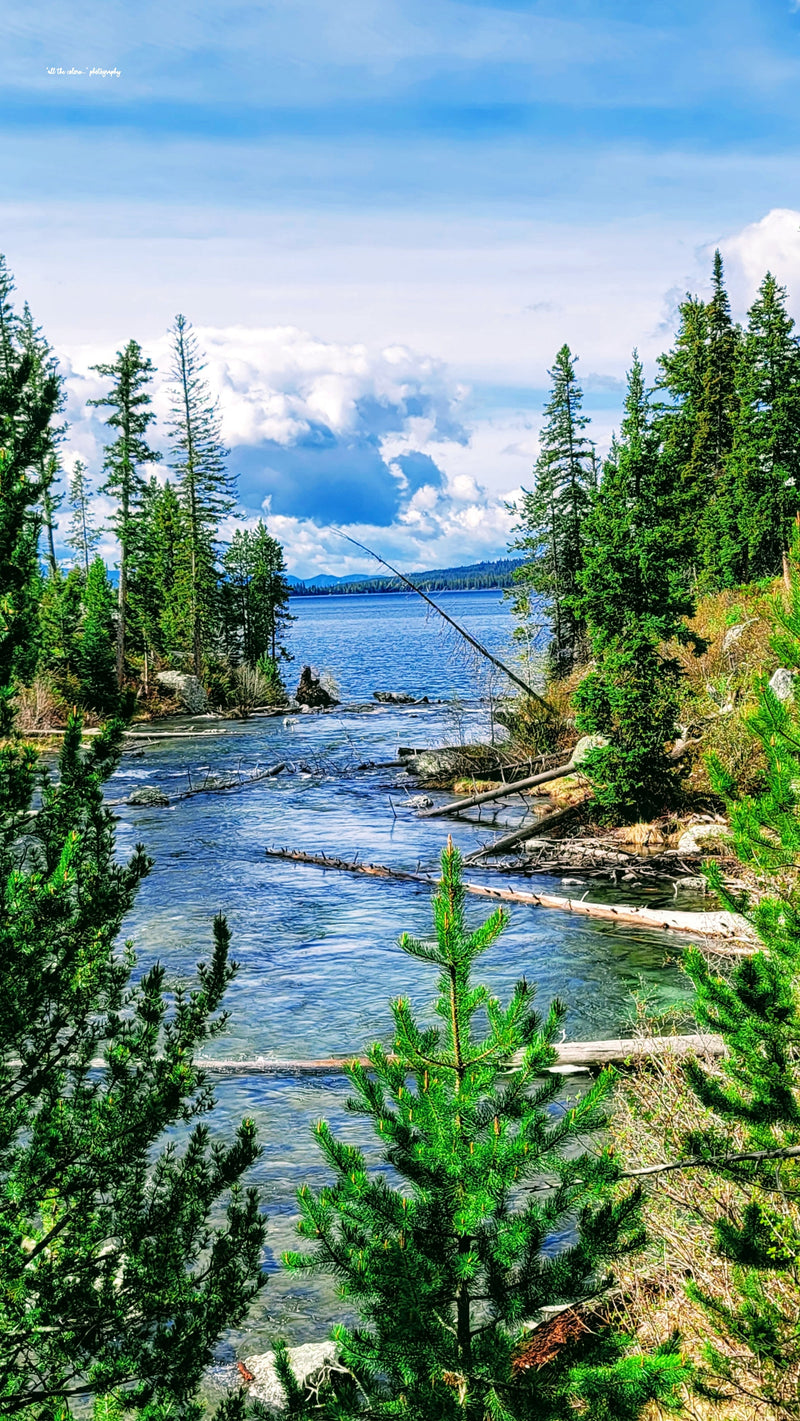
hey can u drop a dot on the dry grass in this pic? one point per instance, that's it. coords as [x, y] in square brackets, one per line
[39, 707]
[472, 786]
[655, 1109]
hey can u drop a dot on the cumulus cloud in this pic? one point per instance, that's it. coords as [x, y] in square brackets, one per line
[771, 244]
[324, 434]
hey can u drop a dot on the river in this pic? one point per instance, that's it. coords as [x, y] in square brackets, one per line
[317, 953]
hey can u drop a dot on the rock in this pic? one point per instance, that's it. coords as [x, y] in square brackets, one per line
[573, 882]
[309, 1364]
[584, 745]
[310, 692]
[781, 683]
[692, 881]
[148, 795]
[704, 839]
[420, 801]
[395, 698]
[185, 688]
[450, 761]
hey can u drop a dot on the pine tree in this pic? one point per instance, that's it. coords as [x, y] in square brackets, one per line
[129, 400]
[160, 588]
[83, 535]
[447, 1260]
[118, 1270]
[27, 407]
[205, 488]
[44, 368]
[763, 474]
[755, 1094]
[550, 531]
[632, 594]
[697, 429]
[97, 643]
[257, 596]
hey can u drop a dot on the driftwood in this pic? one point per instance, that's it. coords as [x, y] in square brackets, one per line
[723, 926]
[572, 1055]
[232, 782]
[515, 787]
[530, 831]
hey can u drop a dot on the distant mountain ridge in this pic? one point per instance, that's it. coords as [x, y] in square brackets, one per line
[498, 573]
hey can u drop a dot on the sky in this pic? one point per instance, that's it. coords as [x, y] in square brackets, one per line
[382, 220]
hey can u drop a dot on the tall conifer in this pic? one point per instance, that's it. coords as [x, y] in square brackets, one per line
[550, 531]
[129, 401]
[762, 488]
[697, 428]
[205, 488]
[632, 594]
[257, 595]
[82, 536]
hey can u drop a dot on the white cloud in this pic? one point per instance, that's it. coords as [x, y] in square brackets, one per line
[771, 244]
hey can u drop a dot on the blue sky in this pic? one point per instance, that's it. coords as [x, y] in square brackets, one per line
[383, 220]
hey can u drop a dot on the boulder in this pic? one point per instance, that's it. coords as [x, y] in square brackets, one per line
[420, 801]
[185, 688]
[310, 692]
[148, 795]
[310, 1363]
[584, 745]
[704, 839]
[781, 683]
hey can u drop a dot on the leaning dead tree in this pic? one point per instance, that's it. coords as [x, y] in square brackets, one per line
[462, 632]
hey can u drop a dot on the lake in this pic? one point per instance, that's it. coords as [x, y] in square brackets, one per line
[317, 953]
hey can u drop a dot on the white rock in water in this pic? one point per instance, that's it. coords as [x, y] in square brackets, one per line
[420, 801]
[185, 688]
[781, 683]
[308, 1364]
[704, 838]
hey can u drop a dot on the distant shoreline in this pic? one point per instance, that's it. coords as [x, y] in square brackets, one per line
[476, 577]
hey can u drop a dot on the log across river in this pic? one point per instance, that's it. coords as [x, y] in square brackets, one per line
[723, 931]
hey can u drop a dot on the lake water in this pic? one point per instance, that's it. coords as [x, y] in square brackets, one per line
[317, 953]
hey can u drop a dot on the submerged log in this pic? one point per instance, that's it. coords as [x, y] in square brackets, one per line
[519, 836]
[515, 787]
[572, 1055]
[727, 928]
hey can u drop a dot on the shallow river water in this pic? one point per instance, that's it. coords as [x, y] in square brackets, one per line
[317, 954]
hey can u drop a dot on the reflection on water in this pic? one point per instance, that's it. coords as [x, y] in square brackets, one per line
[317, 953]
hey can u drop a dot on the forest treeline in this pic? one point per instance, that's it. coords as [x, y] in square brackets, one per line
[185, 598]
[474, 576]
[699, 492]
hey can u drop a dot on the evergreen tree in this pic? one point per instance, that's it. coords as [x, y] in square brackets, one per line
[27, 407]
[98, 662]
[160, 590]
[44, 368]
[633, 597]
[83, 535]
[205, 488]
[446, 1260]
[697, 429]
[60, 614]
[114, 1280]
[257, 596]
[762, 488]
[550, 533]
[755, 1094]
[129, 401]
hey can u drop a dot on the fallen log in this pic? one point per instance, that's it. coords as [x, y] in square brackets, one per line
[727, 928]
[456, 806]
[232, 783]
[531, 831]
[572, 1055]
